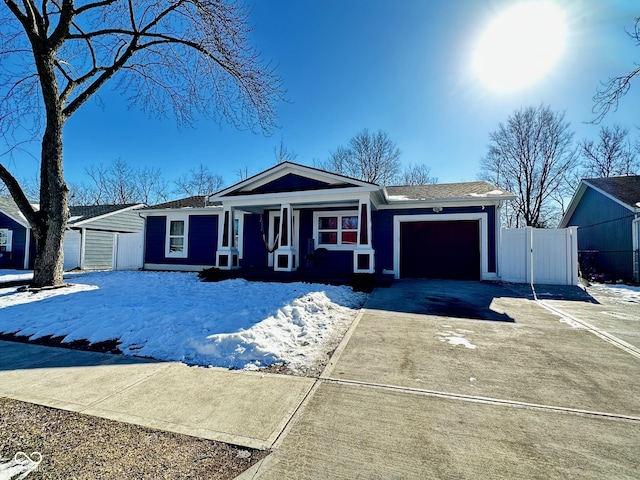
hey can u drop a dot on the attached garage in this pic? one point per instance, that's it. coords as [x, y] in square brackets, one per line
[440, 249]
[448, 246]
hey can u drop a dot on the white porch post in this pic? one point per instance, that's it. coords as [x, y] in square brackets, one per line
[227, 251]
[364, 255]
[285, 254]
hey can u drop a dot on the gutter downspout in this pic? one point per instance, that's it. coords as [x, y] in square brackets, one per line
[27, 248]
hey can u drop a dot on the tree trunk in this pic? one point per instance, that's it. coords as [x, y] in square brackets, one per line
[54, 209]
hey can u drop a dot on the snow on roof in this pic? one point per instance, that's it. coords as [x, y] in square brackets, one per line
[439, 191]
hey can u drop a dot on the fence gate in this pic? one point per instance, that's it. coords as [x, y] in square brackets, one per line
[539, 255]
[128, 251]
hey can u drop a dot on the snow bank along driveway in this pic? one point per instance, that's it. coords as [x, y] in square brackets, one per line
[175, 316]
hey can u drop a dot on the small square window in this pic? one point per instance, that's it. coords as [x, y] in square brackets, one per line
[350, 223]
[349, 238]
[328, 238]
[328, 223]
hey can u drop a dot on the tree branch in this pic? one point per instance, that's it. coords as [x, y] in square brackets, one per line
[18, 196]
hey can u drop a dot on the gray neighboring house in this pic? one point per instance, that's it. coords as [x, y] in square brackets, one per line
[607, 214]
[91, 238]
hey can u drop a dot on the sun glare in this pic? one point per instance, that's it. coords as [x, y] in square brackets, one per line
[520, 46]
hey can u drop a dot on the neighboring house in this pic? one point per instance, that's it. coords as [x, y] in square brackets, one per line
[297, 218]
[607, 214]
[90, 239]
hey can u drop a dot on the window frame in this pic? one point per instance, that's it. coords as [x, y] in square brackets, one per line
[339, 230]
[185, 235]
[9, 234]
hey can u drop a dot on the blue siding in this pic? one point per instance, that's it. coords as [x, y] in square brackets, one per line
[290, 183]
[202, 241]
[382, 240]
[15, 258]
[254, 253]
[604, 235]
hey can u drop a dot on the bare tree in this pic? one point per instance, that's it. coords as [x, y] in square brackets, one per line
[608, 96]
[530, 157]
[371, 157]
[283, 154]
[192, 57]
[612, 155]
[199, 181]
[119, 183]
[416, 175]
[243, 173]
[152, 187]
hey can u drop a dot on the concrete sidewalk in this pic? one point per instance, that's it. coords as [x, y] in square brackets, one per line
[243, 408]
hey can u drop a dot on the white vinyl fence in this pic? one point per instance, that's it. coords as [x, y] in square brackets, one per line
[128, 251]
[539, 255]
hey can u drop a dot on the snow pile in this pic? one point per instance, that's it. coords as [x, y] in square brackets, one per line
[7, 275]
[622, 293]
[174, 316]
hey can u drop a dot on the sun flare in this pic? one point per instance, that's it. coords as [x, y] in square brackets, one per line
[520, 46]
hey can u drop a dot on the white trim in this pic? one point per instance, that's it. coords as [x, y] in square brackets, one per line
[176, 218]
[176, 267]
[9, 233]
[484, 237]
[27, 247]
[298, 198]
[83, 240]
[239, 215]
[285, 168]
[339, 214]
[162, 212]
[272, 235]
[444, 202]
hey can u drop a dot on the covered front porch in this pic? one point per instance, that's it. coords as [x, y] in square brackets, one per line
[323, 240]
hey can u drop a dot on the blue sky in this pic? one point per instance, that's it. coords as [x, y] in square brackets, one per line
[403, 67]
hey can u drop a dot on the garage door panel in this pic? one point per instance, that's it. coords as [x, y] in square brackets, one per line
[440, 249]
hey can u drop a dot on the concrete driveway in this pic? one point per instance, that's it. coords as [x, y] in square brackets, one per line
[443, 379]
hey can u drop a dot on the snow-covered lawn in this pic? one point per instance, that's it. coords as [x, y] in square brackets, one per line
[621, 293]
[174, 316]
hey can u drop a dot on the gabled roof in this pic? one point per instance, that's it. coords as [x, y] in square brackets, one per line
[196, 201]
[446, 191]
[622, 190]
[79, 214]
[289, 177]
[10, 209]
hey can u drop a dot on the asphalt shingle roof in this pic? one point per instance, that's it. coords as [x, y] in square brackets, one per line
[625, 189]
[197, 201]
[444, 191]
[77, 213]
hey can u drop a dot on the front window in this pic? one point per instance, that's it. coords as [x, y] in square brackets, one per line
[5, 240]
[176, 238]
[336, 229]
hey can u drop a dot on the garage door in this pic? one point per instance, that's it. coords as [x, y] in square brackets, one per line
[440, 249]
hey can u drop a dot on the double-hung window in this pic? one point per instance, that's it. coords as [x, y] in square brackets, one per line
[176, 245]
[5, 240]
[336, 229]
